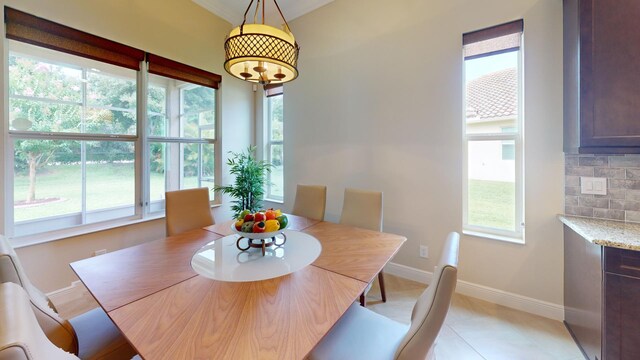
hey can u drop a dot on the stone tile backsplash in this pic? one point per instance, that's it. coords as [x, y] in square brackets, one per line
[622, 201]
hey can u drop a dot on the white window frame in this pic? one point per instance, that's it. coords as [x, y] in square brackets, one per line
[140, 141]
[517, 137]
[155, 206]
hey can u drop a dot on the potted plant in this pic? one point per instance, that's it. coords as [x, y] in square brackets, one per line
[248, 187]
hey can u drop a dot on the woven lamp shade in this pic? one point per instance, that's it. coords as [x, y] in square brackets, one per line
[262, 54]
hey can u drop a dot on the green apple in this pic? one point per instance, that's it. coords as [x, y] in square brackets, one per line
[282, 219]
[243, 214]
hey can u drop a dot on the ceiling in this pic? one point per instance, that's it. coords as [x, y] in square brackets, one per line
[233, 10]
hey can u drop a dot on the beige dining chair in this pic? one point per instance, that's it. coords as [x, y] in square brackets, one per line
[363, 209]
[187, 209]
[91, 335]
[366, 335]
[21, 337]
[310, 201]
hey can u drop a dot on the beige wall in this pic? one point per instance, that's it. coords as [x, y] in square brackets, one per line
[378, 105]
[177, 29]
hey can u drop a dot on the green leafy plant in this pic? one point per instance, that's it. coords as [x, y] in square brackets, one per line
[248, 187]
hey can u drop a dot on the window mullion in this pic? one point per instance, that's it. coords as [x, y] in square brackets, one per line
[217, 145]
[8, 193]
[83, 175]
[83, 154]
[46, 100]
[492, 137]
[519, 147]
[200, 157]
[142, 156]
[69, 136]
[180, 140]
[519, 187]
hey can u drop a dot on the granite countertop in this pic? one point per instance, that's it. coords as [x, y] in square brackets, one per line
[619, 234]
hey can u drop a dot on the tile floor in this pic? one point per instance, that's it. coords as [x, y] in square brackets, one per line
[476, 329]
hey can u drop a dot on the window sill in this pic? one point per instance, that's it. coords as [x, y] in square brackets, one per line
[274, 201]
[35, 239]
[509, 239]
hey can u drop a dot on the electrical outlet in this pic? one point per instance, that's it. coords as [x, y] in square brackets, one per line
[424, 251]
[593, 185]
[100, 252]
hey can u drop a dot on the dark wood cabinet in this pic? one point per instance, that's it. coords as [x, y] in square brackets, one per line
[602, 298]
[622, 304]
[601, 76]
[583, 292]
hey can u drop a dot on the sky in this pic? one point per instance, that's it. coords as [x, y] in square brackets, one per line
[484, 65]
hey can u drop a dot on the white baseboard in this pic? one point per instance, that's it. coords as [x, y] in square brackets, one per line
[65, 289]
[496, 296]
[408, 272]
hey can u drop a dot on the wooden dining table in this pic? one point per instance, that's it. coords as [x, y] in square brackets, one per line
[167, 311]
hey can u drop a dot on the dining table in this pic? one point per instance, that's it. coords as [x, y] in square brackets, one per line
[168, 310]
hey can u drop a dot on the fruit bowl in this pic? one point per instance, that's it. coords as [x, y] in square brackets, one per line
[262, 235]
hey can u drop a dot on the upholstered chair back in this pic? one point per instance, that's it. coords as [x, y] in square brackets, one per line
[21, 337]
[431, 308]
[187, 209]
[58, 330]
[310, 202]
[362, 208]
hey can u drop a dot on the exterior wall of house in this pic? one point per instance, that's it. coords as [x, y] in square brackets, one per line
[489, 127]
[378, 105]
[176, 29]
[491, 158]
[488, 162]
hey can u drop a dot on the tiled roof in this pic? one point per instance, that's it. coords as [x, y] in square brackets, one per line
[494, 95]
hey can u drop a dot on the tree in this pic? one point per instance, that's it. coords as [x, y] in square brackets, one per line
[49, 98]
[33, 79]
[276, 128]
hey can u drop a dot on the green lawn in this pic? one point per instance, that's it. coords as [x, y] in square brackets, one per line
[108, 185]
[492, 204]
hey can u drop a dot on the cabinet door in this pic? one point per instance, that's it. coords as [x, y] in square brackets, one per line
[583, 292]
[609, 73]
[622, 317]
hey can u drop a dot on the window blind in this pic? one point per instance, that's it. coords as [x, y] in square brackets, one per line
[493, 40]
[31, 29]
[175, 70]
[273, 90]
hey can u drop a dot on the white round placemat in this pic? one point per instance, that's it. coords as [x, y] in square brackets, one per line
[221, 259]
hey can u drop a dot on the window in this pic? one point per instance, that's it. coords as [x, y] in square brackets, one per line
[274, 143]
[493, 186]
[508, 147]
[182, 131]
[86, 148]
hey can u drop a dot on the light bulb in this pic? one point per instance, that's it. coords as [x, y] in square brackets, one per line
[246, 74]
[261, 68]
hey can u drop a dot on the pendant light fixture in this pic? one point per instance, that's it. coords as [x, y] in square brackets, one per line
[261, 53]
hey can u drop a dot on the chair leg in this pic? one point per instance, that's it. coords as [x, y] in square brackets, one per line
[363, 300]
[381, 281]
